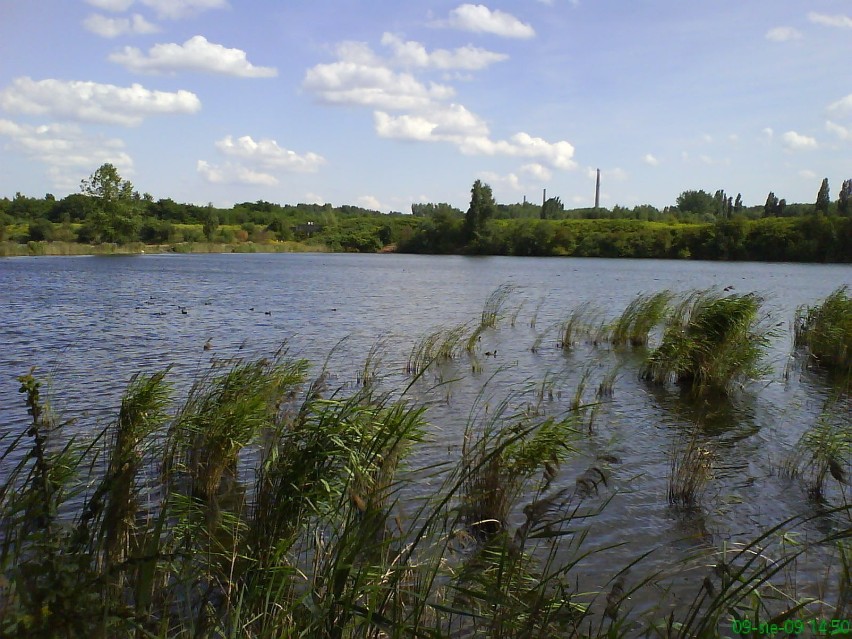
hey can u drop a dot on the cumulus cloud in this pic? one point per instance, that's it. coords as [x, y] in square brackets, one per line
[268, 154]
[440, 122]
[234, 174]
[650, 160]
[113, 27]
[558, 154]
[480, 19]
[352, 82]
[93, 102]
[196, 54]
[414, 54]
[783, 34]
[65, 149]
[842, 132]
[471, 137]
[839, 21]
[798, 142]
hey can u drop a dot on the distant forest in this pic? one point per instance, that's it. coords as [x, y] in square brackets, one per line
[110, 212]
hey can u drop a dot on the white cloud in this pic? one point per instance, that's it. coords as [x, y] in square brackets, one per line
[114, 27]
[352, 82]
[439, 122]
[471, 137]
[413, 54]
[234, 174]
[196, 54]
[537, 171]
[840, 21]
[807, 174]
[768, 133]
[268, 154]
[480, 19]
[558, 154]
[783, 34]
[67, 151]
[842, 106]
[797, 142]
[650, 160]
[370, 202]
[840, 131]
[93, 102]
[111, 5]
[314, 198]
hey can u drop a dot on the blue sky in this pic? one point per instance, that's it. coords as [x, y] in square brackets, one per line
[382, 104]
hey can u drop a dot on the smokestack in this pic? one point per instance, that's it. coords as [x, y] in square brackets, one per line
[598, 190]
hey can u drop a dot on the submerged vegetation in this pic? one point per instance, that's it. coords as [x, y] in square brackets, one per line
[263, 503]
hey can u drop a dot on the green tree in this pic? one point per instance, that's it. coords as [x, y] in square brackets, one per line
[113, 219]
[844, 200]
[823, 200]
[699, 203]
[482, 207]
[551, 208]
[770, 209]
[738, 203]
[211, 223]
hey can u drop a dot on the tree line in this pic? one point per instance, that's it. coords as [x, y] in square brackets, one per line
[701, 225]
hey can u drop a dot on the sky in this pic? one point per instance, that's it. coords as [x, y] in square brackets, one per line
[383, 103]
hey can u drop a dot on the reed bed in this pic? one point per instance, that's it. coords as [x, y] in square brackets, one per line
[265, 504]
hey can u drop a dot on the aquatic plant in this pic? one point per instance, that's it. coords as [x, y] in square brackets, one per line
[825, 331]
[711, 341]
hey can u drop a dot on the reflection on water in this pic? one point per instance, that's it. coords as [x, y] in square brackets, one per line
[88, 324]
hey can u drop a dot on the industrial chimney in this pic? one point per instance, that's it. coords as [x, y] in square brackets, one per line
[598, 190]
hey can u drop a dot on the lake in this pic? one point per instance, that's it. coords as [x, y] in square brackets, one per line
[88, 323]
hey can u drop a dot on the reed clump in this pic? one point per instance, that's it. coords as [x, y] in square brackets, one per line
[710, 343]
[825, 331]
